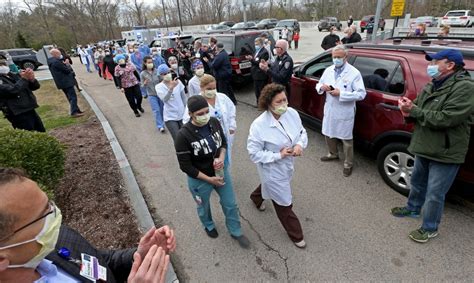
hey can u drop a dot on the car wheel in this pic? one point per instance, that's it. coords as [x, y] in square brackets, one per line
[28, 64]
[395, 165]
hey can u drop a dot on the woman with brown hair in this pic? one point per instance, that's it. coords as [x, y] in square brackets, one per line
[276, 137]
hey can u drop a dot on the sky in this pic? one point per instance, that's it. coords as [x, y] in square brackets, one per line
[21, 4]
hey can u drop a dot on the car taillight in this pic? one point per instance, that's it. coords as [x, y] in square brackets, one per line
[463, 18]
[234, 62]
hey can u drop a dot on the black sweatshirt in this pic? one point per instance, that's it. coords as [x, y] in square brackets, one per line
[194, 153]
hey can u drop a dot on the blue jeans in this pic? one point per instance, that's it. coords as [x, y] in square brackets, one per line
[430, 182]
[143, 91]
[72, 98]
[157, 107]
[201, 192]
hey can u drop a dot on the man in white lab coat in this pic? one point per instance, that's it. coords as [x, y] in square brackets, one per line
[343, 86]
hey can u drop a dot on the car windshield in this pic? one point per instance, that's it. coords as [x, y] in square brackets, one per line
[456, 14]
[264, 21]
[422, 19]
[285, 23]
[239, 25]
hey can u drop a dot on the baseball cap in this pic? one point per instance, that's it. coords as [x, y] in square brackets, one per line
[452, 55]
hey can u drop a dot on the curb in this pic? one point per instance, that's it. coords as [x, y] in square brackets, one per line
[145, 221]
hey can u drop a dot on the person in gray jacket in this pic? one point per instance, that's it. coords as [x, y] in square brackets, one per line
[149, 79]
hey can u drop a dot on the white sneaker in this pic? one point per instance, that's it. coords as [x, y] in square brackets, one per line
[301, 244]
[262, 207]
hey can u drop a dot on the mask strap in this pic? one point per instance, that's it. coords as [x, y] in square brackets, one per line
[17, 244]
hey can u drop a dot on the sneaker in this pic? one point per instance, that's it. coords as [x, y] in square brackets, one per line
[213, 233]
[244, 243]
[141, 110]
[162, 130]
[347, 171]
[404, 212]
[77, 115]
[137, 114]
[301, 244]
[329, 157]
[422, 236]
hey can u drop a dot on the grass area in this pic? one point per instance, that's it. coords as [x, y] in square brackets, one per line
[54, 107]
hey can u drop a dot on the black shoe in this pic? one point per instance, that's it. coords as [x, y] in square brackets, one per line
[244, 243]
[347, 171]
[213, 233]
[137, 114]
[141, 110]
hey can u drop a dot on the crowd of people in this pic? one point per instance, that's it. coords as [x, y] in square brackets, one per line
[193, 99]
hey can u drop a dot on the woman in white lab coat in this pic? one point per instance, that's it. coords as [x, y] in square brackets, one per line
[220, 107]
[276, 137]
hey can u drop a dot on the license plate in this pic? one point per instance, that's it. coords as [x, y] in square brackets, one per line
[245, 65]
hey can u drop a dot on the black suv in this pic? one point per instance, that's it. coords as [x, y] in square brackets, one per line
[238, 45]
[267, 23]
[291, 24]
[328, 22]
[24, 58]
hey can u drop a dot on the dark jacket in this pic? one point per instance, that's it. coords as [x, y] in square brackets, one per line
[16, 94]
[257, 73]
[221, 66]
[282, 69]
[118, 262]
[329, 41]
[193, 155]
[442, 119]
[354, 38]
[63, 75]
[109, 64]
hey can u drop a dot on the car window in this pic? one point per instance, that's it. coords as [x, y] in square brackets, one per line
[456, 14]
[244, 44]
[285, 23]
[228, 43]
[316, 68]
[380, 74]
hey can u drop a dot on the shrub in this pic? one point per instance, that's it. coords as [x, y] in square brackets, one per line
[40, 155]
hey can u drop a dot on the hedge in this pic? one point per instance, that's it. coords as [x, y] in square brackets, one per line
[40, 155]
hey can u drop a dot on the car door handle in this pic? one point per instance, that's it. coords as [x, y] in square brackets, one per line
[389, 106]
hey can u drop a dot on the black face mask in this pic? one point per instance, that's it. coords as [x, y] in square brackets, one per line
[123, 65]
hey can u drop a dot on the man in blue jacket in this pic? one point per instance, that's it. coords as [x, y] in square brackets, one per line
[223, 72]
[64, 79]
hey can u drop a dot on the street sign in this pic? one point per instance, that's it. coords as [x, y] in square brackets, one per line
[397, 8]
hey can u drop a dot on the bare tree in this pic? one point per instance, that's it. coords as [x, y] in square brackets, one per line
[42, 9]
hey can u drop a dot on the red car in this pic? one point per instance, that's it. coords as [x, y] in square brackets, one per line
[371, 19]
[379, 125]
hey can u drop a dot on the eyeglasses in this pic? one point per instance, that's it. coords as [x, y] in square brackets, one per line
[52, 209]
[278, 47]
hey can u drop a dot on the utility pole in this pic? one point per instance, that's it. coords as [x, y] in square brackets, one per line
[378, 11]
[164, 14]
[245, 11]
[179, 17]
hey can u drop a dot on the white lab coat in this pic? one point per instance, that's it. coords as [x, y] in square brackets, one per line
[224, 111]
[266, 138]
[194, 86]
[85, 56]
[339, 111]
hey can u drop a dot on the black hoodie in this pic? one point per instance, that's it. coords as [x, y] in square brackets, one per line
[193, 150]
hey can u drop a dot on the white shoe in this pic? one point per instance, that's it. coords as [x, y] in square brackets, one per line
[262, 207]
[301, 244]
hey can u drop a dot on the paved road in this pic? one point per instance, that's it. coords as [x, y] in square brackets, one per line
[348, 228]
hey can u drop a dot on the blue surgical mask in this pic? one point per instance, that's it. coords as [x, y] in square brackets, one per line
[338, 62]
[432, 71]
[257, 48]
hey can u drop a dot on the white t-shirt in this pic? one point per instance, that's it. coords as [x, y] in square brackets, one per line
[174, 106]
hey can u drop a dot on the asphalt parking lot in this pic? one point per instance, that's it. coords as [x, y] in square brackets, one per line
[350, 233]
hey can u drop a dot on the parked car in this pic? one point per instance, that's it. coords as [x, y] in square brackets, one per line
[244, 26]
[227, 23]
[328, 22]
[379, 125]
[371, 19]
[458, 18]
[167, 44]
[292, 24]
[267, 23]
[24, 58]
[218, 27]
[429, 21]
[238, 45]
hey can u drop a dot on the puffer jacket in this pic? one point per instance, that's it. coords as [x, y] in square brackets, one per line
[16, 94]
[443, 119]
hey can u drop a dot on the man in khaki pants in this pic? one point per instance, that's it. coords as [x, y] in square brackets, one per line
[343, 86]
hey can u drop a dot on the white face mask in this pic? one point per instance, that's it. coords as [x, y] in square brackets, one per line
[149, 66]
[174, 66]
[199, 72]
[280, 110]
[167, 77]
[47, 238]
[4, 70]
[210, 93]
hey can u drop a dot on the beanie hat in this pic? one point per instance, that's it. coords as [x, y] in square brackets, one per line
[163, 69]
[196, 102]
